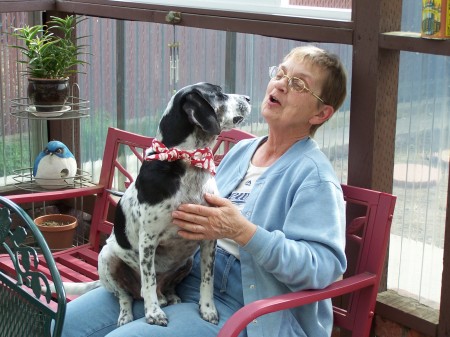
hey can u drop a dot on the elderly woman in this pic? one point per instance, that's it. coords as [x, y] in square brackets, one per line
[280, 222]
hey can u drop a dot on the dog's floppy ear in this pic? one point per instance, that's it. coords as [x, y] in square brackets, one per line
[201, 113]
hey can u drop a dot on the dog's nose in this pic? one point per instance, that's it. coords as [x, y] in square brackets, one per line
[237, 120]
[247, 98]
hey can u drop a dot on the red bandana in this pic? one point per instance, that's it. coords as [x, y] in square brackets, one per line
[202, 158]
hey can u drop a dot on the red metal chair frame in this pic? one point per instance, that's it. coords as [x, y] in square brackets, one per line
[225, 140]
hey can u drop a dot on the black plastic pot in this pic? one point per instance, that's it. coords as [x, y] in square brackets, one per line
[48, 95]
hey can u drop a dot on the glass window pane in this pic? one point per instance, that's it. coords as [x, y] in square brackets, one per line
[17, 138]
[411, 16]
[420, 177]
[132, 91]
[323, 9]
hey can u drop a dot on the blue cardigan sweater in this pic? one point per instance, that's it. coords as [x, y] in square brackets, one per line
[298, 206]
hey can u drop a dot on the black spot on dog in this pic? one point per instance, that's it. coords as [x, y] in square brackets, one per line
[158, 180]
[119, 228]
[148, 251]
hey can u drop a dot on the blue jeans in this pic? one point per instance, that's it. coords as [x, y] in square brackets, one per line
[95, 313]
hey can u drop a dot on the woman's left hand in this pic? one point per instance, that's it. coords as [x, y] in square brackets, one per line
[220, 220]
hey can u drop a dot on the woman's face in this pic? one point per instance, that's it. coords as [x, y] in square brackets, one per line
[288, 109]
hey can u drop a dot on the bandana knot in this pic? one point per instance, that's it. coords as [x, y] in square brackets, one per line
[201, 158]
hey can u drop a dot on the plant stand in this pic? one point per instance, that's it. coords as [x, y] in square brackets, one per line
[73, 110]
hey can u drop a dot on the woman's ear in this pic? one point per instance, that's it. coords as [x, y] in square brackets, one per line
[324, 114]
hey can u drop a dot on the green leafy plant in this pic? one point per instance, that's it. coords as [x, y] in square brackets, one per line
[50, 50]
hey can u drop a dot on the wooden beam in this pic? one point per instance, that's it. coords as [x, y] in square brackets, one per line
[412, 42]
[26, 6]
[373, 102]
[293, 28]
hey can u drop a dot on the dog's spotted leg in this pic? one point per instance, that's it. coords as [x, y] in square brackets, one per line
[208, 309]
[147, 248]
[115, 275]
[126, 309]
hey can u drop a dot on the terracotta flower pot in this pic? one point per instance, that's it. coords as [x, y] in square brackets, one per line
[57, 229]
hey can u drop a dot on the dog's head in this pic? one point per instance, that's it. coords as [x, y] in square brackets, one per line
[196, 114]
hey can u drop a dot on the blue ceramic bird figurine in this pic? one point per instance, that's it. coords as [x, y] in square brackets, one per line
[55, 167]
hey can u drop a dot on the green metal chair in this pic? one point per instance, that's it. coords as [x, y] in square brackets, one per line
[28, 308]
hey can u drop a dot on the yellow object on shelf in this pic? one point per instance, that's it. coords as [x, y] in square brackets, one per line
[436, 19]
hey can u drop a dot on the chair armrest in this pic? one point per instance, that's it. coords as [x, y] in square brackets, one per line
[56, 195]
[240, 319]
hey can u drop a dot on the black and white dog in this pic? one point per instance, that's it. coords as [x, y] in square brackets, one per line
[145, 257]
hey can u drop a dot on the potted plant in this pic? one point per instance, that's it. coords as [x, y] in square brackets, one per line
[51, 55]
[57, 229]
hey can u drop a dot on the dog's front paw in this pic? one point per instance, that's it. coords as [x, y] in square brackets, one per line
[125, 317]
[156, 317]
[209, 313]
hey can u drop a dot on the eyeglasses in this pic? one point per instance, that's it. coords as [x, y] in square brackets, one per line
[295, 83]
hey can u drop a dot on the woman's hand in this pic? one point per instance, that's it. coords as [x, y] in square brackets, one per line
[220, 220]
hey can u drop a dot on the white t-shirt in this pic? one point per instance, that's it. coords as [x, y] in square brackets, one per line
[239, 197]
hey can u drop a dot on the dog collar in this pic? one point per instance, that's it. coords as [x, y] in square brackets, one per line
[202, 158]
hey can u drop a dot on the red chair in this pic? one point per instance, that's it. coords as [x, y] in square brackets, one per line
[226, 140]
[368, 229]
